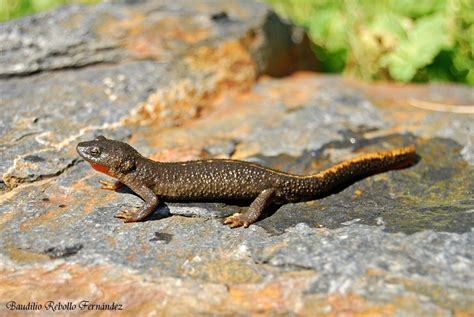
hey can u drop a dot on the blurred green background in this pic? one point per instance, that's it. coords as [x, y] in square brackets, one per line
[11, 9]
[401, 40]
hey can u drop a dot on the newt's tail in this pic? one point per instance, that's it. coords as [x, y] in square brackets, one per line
[350, 171]
[373, 163]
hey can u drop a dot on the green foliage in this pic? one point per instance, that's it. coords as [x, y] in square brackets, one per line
[426, 39]
[10, 9]
[403, 40]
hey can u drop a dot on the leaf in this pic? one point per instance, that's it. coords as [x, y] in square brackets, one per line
[381, 36]
[328, 29]
[416, 9]
[423, 43]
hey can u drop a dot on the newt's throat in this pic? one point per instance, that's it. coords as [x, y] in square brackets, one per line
[102, 169]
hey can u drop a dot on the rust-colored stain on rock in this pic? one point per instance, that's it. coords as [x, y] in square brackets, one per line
[153, 37]
[227, 66]
[24, 256]
[167, 295]
[158, 39]
[260, 300]
[53, 209]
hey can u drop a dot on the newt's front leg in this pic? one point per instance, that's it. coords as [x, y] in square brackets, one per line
[151, 203]
[111, 185]
[254, 212]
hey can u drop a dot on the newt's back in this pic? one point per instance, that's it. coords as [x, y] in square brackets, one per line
[213, 180]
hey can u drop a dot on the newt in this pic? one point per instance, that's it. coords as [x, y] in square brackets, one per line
[225, 179]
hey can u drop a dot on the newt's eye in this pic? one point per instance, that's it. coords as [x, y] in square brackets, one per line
[95, 151]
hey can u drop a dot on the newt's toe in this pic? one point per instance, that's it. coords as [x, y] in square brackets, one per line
[127, 215]
[236, 220]
[108, 185]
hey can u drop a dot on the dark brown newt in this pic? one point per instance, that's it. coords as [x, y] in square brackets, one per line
[220, 180]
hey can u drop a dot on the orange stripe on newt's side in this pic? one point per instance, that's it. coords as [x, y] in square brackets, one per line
[102, 169]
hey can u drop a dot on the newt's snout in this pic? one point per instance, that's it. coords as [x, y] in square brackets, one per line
[86, 151]
[91, 151]
[81, 149]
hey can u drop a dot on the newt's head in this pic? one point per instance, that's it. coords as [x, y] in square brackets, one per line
[111, 157]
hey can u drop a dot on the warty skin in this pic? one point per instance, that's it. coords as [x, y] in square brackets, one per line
[225, 180]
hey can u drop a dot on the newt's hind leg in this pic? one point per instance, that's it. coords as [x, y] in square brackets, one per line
[254, 212]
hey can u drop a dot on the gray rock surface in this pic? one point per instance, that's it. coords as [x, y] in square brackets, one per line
[184, 80]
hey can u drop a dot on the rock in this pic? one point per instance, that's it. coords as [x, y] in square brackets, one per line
[194, 59]
[78, 35]
[397, 243]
